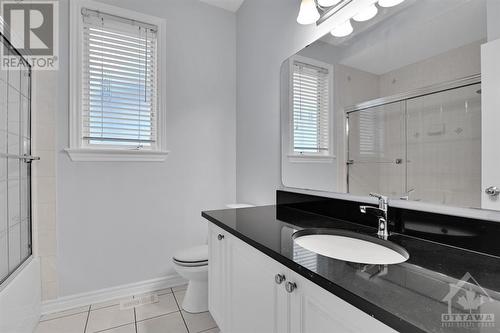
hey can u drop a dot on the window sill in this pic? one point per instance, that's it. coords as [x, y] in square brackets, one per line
[115, 155]
[294, 158]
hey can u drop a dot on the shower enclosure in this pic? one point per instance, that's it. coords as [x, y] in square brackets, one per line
[15, 161]
[424, 145]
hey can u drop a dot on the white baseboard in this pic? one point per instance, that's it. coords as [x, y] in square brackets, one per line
[97, 296]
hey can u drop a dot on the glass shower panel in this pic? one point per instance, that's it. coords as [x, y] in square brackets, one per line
[14, 166]
[444, 147]
[4, 230]
[25, 168]
[15, 169]
[376, 150]
[4, 244]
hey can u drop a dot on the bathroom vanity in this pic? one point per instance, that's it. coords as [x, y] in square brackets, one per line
[405, 105]
[252, 292]
[260, 280]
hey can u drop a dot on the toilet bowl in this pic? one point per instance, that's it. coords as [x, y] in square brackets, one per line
[192, 264]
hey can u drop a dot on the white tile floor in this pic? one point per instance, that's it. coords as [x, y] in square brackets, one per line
[165, 316]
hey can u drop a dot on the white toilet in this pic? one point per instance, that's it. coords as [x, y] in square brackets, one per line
[192, 264]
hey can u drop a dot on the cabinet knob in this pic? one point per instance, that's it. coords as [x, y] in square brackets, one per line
[279, 278]
[220, 237]
[290, 286]
[492, 191]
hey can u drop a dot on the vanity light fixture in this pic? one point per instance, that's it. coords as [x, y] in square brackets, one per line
[317, 11]
[328, 3]
[343, 30]
[308, 13]
[365, 14]
[389, 3]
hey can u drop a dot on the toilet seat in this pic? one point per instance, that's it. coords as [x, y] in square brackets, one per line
[191, 264]
[192, 257]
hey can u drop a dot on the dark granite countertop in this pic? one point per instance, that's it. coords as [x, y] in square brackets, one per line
[409, 297]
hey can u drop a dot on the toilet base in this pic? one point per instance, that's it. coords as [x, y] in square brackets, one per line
[196, 297]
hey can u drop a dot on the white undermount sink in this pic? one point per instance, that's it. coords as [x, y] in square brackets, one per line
[350, 246]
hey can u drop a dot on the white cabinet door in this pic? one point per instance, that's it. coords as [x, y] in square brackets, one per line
[217, 275]
[316, 310]
[490, 114]
[257, 304]
[244, 296]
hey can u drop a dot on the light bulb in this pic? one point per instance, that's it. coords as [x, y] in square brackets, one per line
[345, 29]
[389, 3]
[308, 13]
[366, 13]
[328, 3]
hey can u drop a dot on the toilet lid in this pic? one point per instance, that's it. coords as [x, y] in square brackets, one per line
[197, 254]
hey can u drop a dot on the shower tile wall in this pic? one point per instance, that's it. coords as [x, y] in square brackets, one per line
[44, 180]
[454, 64]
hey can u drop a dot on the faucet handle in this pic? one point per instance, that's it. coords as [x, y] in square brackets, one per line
[382, 200]
[406, 195]
[378, 196]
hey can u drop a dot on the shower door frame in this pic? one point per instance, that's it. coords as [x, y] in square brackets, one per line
[399, 98]
[26, 158]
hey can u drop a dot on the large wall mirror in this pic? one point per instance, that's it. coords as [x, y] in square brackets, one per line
[402, 106]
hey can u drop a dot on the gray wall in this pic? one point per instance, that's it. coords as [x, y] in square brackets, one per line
[119, 223]
[267, 34]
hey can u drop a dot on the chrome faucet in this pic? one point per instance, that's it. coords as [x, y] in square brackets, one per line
[406, 195]
[380, 213]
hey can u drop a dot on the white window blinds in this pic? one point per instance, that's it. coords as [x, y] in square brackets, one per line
[371, 133]
[119, 97]
[311, 105]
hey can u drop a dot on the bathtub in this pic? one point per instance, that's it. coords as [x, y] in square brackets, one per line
[20, 299]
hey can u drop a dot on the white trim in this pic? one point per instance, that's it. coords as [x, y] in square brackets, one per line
[116, 155]
[310, 158]
[75, 142]
[103, 295]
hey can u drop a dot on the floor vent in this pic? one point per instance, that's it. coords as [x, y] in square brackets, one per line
[139, 301]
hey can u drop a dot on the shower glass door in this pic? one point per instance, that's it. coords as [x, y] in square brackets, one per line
[15, 163]
[444, 147]
[376, 150]
[425, 148]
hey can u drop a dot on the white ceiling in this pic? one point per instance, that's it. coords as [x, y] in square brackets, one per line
[422, 30]
[231, 5]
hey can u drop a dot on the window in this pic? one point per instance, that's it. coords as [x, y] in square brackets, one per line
[311, 85]
[119, 88]
[117, 96]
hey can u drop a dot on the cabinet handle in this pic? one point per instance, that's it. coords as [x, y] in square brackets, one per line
[492, 191]
[220, 237]
[290, 287]
[279, 278]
